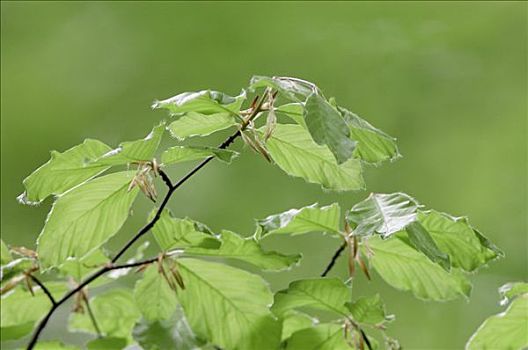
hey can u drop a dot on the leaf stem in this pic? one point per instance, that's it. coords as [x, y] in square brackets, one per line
[172, 187]
[92, 316]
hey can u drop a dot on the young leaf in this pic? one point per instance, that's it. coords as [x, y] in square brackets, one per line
[384, 214]
[111, 343]
[372, 145]
[204, 102]
[328, 294]
[197, 124]
[56, 345]
[85, 217]
[115, 312]
[458, 239]
[369, 310]
[290, 88]
[171, 233]
[135, 151]
[5, 255]
[291, 147]
[228, 306]
[169, 334]
[20, 309]
[248, 250]
[423, 241]
[295, 111]
[327, 127]
[179, 154]
[79, 268]
[325, 336]
[293, 321]
[15, 267]
[405, 268]
[507, 330]
[509, 291]
[307, 219]
[154, 297]
[64, 171]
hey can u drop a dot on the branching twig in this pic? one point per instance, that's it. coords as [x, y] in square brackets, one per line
[254, 112]
[43, 287]
[334, 259]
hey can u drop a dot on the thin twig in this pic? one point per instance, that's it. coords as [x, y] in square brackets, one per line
[92, 316]
[33, 341]
[44, 289]
[334, 259]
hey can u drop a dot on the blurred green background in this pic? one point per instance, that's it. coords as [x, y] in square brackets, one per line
[448, 79]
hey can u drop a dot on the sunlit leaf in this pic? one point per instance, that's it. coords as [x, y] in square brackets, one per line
[80, 268]
[135, 151]
[329, 294]
[110, 343]
[293, 150]
[372, 145]
[248, 250]
[228, 306]
[466, 247]
[422, 240]
[328, 127]
[511, 290]
[384, 214]
[84, 218]
[5, 256]
[115, 311]
[293, 321]
[507, 330]
[179, 154]
[325, 336]
[64, 171]
[295, 111]
[20, 309]
[197, 124]
[405, 268]
[154, 297]
[204, 102]
[173, 233]
[369, 310]
[290, 88]
[307, 219]
[56, 345]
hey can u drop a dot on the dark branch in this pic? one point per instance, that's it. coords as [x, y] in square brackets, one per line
[255, 111]
[366, 339]
[44, 289]
[334, 259]
[165, 178]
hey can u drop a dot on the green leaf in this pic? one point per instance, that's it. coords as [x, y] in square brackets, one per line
[295, 111]
[405, 268]
[197, 124]
[179, 154]
[204, 102]
[64, 171]
[293, 321]
[325, 336]
[293, 150]
[384, 214]
[327, 127]
[154, 297]
[115, 312]
[329, 294]
[20, 310]
[5, 255]
[507, 330]
[84, 218]
[369, 310]
[170, 334]
[372, 145]
[16, 267]
[248, 250]
[228, 306]
[135, 151]
[171, 233]
[458, 239]
[290, 88]
[79, 268]
[107, 344]
[307, 219]
[422, 240]
[510, 291]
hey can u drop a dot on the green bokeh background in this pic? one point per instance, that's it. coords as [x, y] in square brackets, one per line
[447, 79]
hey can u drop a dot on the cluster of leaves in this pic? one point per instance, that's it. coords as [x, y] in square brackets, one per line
[188, 296]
